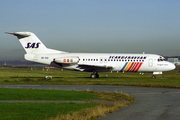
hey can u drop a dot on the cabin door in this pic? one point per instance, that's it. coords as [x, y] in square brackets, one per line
[150, 62]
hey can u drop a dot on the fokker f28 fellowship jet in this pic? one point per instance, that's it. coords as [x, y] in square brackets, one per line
[36, 51]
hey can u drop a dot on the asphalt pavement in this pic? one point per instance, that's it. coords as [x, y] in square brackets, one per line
[151, 103]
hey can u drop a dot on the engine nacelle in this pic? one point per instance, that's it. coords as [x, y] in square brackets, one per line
[67, 60]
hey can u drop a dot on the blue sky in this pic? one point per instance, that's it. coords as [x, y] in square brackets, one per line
[107, 26]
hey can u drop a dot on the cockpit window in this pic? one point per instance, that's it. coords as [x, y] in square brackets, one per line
[161, 59]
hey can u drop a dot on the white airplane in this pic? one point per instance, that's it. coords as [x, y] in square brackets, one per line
[36, 51]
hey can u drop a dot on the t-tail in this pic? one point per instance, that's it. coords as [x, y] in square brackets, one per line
[31, 43]
[36, 51]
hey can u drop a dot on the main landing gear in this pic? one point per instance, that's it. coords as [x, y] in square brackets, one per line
[94, 75]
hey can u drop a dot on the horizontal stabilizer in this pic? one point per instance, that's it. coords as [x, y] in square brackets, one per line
[19, 34]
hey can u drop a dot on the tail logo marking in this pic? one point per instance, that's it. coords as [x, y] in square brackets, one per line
[32, 45]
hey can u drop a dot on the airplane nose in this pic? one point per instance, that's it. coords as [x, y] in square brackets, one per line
[172, 66]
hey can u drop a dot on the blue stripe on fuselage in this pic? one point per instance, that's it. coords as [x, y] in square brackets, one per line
[124, 66]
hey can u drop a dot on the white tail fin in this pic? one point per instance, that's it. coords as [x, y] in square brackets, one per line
[32, 44]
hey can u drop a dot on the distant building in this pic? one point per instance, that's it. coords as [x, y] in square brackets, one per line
[174, 60]
[6, 65]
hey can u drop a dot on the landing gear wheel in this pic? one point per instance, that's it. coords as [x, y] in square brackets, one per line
[153, 76]
[94, 75]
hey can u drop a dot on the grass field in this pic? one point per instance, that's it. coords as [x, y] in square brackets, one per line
[45, 110]
[38, 111]
[33, 94]
[37, 76]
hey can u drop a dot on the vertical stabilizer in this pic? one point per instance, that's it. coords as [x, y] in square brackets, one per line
[32, 44]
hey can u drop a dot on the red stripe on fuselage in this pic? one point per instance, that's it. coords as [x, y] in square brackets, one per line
[135, 66]
[130, 66]
[138, 67]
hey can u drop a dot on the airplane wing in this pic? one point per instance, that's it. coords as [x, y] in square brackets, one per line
[94, 67]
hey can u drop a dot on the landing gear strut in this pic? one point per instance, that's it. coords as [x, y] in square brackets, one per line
[94, 75]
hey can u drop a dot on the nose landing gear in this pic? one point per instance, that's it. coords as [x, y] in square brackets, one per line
[153, 76]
